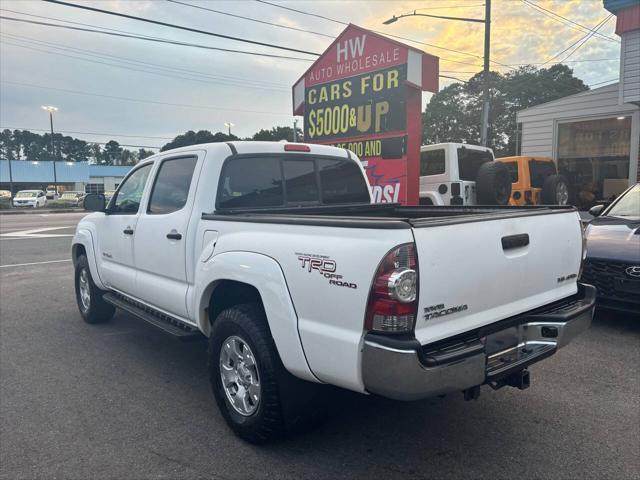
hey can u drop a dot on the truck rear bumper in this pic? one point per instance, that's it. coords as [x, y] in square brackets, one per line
[405, 370]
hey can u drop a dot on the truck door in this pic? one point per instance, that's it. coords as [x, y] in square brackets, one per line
[115, 257]
[161, 236]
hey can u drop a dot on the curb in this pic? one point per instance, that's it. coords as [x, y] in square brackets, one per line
[32, 211]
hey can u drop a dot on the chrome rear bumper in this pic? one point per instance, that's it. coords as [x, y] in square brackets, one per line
[406, 370]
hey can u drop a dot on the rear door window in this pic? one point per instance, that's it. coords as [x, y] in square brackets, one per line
[469, 162]
[432, 162]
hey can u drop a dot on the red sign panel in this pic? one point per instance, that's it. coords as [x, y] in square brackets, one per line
[364, 94]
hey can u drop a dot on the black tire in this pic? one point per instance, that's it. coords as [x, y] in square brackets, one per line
[286, 404]
[555, 190]
[493, 184]
[97, 311]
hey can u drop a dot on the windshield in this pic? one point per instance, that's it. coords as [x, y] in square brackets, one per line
[628, 205]
[469, 162]
[69, 195]
[26, 194]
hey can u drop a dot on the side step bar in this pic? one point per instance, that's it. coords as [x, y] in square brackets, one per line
[160, 320]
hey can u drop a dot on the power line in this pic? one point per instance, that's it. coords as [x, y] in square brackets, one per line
[89, 133]
[136, 62]
[251, 19]
[180, 27]
[154, 39]
[564, 20]
[384, 33]
[587, 36]
[154, 102]
[164, 74]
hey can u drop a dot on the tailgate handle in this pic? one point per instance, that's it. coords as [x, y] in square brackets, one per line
[515, 241]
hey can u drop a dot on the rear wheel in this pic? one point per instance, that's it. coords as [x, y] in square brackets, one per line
[555, 191]
[493, 184]
[89, 297]
[258, 398]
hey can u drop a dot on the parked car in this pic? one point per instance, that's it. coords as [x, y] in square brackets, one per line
[535, 181]
[30, 198]
[613, 252]
[52, 193]
[5, 194]
[73, 198]
[462, 174]
[298, 279]
[108, 194]
[5, 199]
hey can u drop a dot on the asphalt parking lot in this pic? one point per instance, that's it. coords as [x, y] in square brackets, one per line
[123, 400]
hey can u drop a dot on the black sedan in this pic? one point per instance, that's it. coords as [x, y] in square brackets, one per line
[613, 252]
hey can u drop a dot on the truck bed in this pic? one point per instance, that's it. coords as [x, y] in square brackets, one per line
[382, 216]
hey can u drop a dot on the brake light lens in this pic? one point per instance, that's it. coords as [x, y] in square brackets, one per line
[393, 299]
[296, 147]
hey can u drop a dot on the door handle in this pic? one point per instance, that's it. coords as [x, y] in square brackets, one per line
[515, 241]
[174, 235]
[128, 231]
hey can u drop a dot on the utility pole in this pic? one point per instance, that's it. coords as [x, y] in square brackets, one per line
[229, 125]
[484, 121]
[51, 109]
[295, 129]
[484, 133]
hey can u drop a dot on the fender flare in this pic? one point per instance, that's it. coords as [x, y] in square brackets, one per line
[266, 276]
[84, 237]
[435, 197]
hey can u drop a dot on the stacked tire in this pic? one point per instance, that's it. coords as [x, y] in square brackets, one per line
[493, 184]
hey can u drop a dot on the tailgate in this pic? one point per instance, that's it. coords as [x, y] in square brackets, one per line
[481, 271]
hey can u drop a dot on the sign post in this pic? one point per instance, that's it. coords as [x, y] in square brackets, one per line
[365, 94]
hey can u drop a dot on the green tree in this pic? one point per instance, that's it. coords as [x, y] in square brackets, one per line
[193, 138]
[453, 114]
[112, 153]
[143, 153]
[276, 134]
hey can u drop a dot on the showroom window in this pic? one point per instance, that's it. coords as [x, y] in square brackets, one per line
[594, 157]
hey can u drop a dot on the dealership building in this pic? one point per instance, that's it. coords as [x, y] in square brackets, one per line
[594, 136]
[78, 176]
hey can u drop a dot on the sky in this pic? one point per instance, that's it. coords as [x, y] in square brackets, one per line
[145, 93]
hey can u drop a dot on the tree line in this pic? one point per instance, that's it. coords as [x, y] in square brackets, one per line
[26, 145]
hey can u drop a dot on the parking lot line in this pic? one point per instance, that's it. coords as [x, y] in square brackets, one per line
[35, 263]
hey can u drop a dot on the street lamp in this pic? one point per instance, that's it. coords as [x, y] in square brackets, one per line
[487, 47]
[229, 125]
[51, 109]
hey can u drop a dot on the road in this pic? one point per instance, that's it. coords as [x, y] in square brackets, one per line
[123, 400]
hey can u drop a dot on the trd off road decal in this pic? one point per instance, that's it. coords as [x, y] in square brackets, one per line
[325, 266]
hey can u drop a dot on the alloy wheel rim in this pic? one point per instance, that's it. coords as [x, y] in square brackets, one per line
[239, 375]
[85, 292]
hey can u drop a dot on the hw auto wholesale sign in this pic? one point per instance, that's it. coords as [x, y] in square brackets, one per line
[365, 94]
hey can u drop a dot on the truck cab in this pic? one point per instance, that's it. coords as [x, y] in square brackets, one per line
[449, 172]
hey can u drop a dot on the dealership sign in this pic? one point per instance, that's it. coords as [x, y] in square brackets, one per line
[365, 94]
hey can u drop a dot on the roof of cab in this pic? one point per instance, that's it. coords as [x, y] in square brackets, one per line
[249, 147]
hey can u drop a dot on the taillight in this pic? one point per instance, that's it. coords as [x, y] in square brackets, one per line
[296, 147]
[393, 299]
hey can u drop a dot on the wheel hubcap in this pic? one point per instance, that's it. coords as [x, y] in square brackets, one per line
[239, 374]
[85, 291]
[562, 194]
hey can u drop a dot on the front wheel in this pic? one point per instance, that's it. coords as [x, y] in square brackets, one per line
[89, 297]
[257, 397]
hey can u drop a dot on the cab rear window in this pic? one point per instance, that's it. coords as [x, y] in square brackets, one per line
[273, 181]
[539, 171]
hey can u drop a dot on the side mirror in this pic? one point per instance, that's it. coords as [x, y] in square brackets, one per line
[94, 202]
[596, 210]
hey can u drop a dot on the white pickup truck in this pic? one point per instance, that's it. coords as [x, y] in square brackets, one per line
[275, 253]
